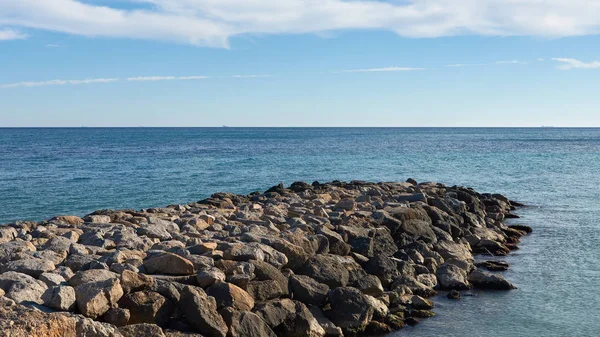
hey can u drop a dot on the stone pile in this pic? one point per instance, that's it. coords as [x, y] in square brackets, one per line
[335, 259]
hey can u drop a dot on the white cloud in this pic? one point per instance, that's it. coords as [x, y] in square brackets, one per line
[109, 80]
[165, 78]
[10, 34]
[462, 65]
[59, 82]
[511, 62]
[185, 78]
[388, 69]
[250, 76]
[52, 45]
[213, 22]
[541, 59]
[152, 78]
[569, 63]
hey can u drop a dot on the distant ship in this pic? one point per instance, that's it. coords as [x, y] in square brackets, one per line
[225, 126]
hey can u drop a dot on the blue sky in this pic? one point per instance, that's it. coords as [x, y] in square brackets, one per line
[299, 63]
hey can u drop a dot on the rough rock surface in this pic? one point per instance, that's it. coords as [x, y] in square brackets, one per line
[334, 259]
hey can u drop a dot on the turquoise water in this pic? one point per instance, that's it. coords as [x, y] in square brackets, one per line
[45, 172]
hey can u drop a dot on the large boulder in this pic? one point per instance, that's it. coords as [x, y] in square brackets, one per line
[290, 318]
[60, 298]
[230, 295]
[168, 263]
[209, 276]
[91, 276]
[32, 267]
[147, 307]
[22, 287]
[326, 269]
[407, 222]
[385, 268]
[265, 290]
[132, 281]
[451, 250]
[19, 321]
[265, 271]
[244, 252]
[246, 324]
[370, 285]
[95, 298]
[308, 290]
[351, 310]
[452, 277]
[201, 312]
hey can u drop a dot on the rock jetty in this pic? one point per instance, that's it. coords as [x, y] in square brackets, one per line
[308, 260]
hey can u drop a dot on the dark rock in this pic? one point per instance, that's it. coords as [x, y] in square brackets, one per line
[264, 290]
[147, 307]
[350, 309]
[493, 265]
[326, 269]
[307, 290]
[245, 324]
[116, 316]
[201, 312]
[375, 328]
[230, 295]
[483, 280]
[383, 267]
[453, 295]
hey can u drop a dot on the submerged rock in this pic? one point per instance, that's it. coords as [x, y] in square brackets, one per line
[485, 280]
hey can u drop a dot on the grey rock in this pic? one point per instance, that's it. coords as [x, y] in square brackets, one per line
[59, 298]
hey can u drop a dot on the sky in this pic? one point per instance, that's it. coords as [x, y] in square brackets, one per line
[299, 63]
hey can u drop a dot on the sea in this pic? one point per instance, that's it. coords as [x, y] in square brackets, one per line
[554, 171]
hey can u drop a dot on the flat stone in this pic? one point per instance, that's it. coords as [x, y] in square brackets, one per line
[32, 267]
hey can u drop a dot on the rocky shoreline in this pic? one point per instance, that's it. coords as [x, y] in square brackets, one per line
[334, 259]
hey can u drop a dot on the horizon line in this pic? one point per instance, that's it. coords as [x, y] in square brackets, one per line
[299, 127]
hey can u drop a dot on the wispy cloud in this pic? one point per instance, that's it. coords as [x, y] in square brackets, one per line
[10, 34]
[165, 78]
[461, 65]
[109, 80]
[151, 78]
[52, 45]
[250, 76]
[376, 70]
[186, 78]
[511, 62]
[58, 82]
[570, 63]
[213, 23]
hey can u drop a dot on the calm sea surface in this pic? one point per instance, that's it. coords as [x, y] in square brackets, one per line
[47, 172]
